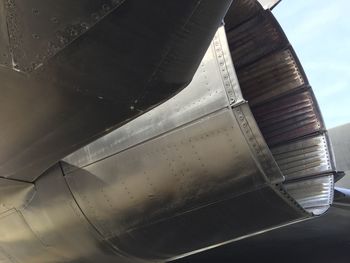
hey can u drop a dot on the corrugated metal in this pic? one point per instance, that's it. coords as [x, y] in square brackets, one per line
[276, 87]
[303, 158]
[288, 118]
[270, 77]
[255, 39]
[241, 11]
[315, 195]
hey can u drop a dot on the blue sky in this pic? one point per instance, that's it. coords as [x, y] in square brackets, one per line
[319, 31]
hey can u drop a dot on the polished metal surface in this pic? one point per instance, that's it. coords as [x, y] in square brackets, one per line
[130, 199]
[284, 107]
[191, 174]
[259, 79]
[168, 175]
[313, 194]
[214, 85]
[137, 200]
[52, 228]
[255, 39]
[304, 157]
[72, 72]
[323, 239]
[241, 11]
[289, 118]
[33, 44]
[15, 194]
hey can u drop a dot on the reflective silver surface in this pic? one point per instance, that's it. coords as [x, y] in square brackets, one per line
[304, 158]
[173, 163]
[73, 71]
[284, 107]
[191, 174]
[313, 194]
[241, 11]
[33, 44]
[129, 198]
[52, 228]
[259, 79]
[208, 92]
[289, 118]
[254, 39]
[199, 157]
[14, 194]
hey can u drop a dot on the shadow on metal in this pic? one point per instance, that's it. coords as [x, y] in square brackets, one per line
[231, 156]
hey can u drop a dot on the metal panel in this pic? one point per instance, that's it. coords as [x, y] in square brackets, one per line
[304, 157]
[19, 241]
[315, 195]
[288, 118]
[134, 58]
[143, 193]
[14, 194]
[323, 239]
[40, 29]
[271, 76]
[257, 144]
[240, 11]
[162, 185]
[179, 169]
[191, 174]
[255, 39]
[5, 56]
[4, 258]
[213, 82]
[53, 228]
[219, 223]
[274, 83]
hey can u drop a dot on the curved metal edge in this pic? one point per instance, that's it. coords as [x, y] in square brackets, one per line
[184, 108]
[63, 38]
[58, 229]
[256, 147]
[228, 73]
[315, 194]
[15, 194]
[297, 158]
[257, 144]
[285, 45]
[240, 238]
[264, 157]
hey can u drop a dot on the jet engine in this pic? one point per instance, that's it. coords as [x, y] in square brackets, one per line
[241, 150]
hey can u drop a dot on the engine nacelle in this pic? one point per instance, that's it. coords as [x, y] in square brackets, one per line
[241, 150]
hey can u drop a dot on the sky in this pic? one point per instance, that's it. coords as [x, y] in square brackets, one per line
[319, 31]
